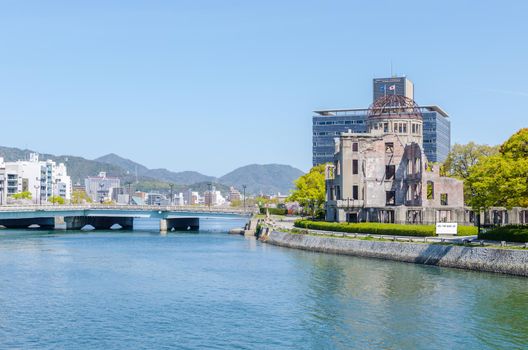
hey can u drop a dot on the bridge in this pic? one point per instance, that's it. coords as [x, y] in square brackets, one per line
[69, 217]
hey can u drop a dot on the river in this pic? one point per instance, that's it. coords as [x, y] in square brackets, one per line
[142, 290]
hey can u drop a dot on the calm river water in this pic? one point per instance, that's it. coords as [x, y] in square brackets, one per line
[142, 290]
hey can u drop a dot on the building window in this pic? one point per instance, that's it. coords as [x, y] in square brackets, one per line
[355, 192]
[355, 166]
[430, 190]
[390, 197]
[385, 127]
[354, 147]
[390, 171]
[389, 147]
[338, 193]
[443, 198]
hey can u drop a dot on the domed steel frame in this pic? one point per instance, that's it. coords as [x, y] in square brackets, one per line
[394, 106]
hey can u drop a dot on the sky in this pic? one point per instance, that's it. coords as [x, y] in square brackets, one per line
[214, 85]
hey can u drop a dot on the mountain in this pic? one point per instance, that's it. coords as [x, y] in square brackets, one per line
[267, 178]
[126, 164]
[182, 177]
[78, 168]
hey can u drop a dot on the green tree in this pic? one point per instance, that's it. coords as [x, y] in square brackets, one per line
[502, 179]
[56, 200]
[80, 197]
[463, 157]
[22, 195]
[310, 189]
[460, 161]
[236, 203]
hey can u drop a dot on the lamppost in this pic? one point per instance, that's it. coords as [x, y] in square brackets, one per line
[36, 193]
[129, 192]
[244, 190]
[101, 185]
[210, 195]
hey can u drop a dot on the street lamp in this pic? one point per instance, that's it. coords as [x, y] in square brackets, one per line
[244, 189]
[101, 185]
[129, 192]
[210, 195]
[36, 193]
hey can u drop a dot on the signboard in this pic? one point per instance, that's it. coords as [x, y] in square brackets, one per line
[446, 228]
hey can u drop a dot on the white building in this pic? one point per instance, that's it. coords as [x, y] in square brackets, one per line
[42, 179]
[191, 197]
[178, 199]
[213, 197]
[100, 188]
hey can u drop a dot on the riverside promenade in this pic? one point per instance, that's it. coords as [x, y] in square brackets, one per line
[457, 252]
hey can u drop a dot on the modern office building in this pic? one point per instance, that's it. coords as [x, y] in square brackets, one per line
[392, 86]
[329, 124]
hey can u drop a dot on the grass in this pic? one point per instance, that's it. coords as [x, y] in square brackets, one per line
[380, 228]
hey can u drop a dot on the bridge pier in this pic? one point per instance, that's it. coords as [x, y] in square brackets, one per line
[179, 224]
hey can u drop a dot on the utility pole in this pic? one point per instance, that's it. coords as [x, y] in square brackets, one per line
[244, 189]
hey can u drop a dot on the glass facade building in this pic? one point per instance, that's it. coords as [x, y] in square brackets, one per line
[328, 124]
[392, 86]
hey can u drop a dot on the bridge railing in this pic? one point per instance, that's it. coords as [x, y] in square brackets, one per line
[172, 208]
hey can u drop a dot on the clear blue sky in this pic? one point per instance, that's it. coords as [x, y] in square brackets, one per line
[213, 85]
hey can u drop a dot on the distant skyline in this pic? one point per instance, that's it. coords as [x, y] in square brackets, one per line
[214, 85]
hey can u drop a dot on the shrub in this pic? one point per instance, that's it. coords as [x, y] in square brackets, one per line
[274, 211]
[379, 228]
[509, 233]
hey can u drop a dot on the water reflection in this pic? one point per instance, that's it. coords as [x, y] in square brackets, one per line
[214, 290]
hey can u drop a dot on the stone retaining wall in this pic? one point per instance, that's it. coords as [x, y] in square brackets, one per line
[514, 262]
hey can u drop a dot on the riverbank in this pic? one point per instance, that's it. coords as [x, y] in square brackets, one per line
[508, 261]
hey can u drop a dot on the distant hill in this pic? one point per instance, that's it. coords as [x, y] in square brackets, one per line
[268, 178]
[183, 177]
[78, 168]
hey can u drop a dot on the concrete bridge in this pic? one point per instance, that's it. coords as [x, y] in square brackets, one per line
[68, 217]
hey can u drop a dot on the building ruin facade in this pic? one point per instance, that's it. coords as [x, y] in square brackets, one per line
[383, 175]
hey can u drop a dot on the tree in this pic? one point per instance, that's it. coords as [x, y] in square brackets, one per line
[310, 189]
[502, 179]
[236, 203]
[461, 159]
[80, 197]
[56, 200]
[22, 195]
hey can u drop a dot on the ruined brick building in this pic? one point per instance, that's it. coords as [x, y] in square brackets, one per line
[383, 175]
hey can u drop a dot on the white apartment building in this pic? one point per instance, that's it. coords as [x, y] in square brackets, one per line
[42, 179]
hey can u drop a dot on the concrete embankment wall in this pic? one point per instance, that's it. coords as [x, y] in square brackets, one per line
[514, 262]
